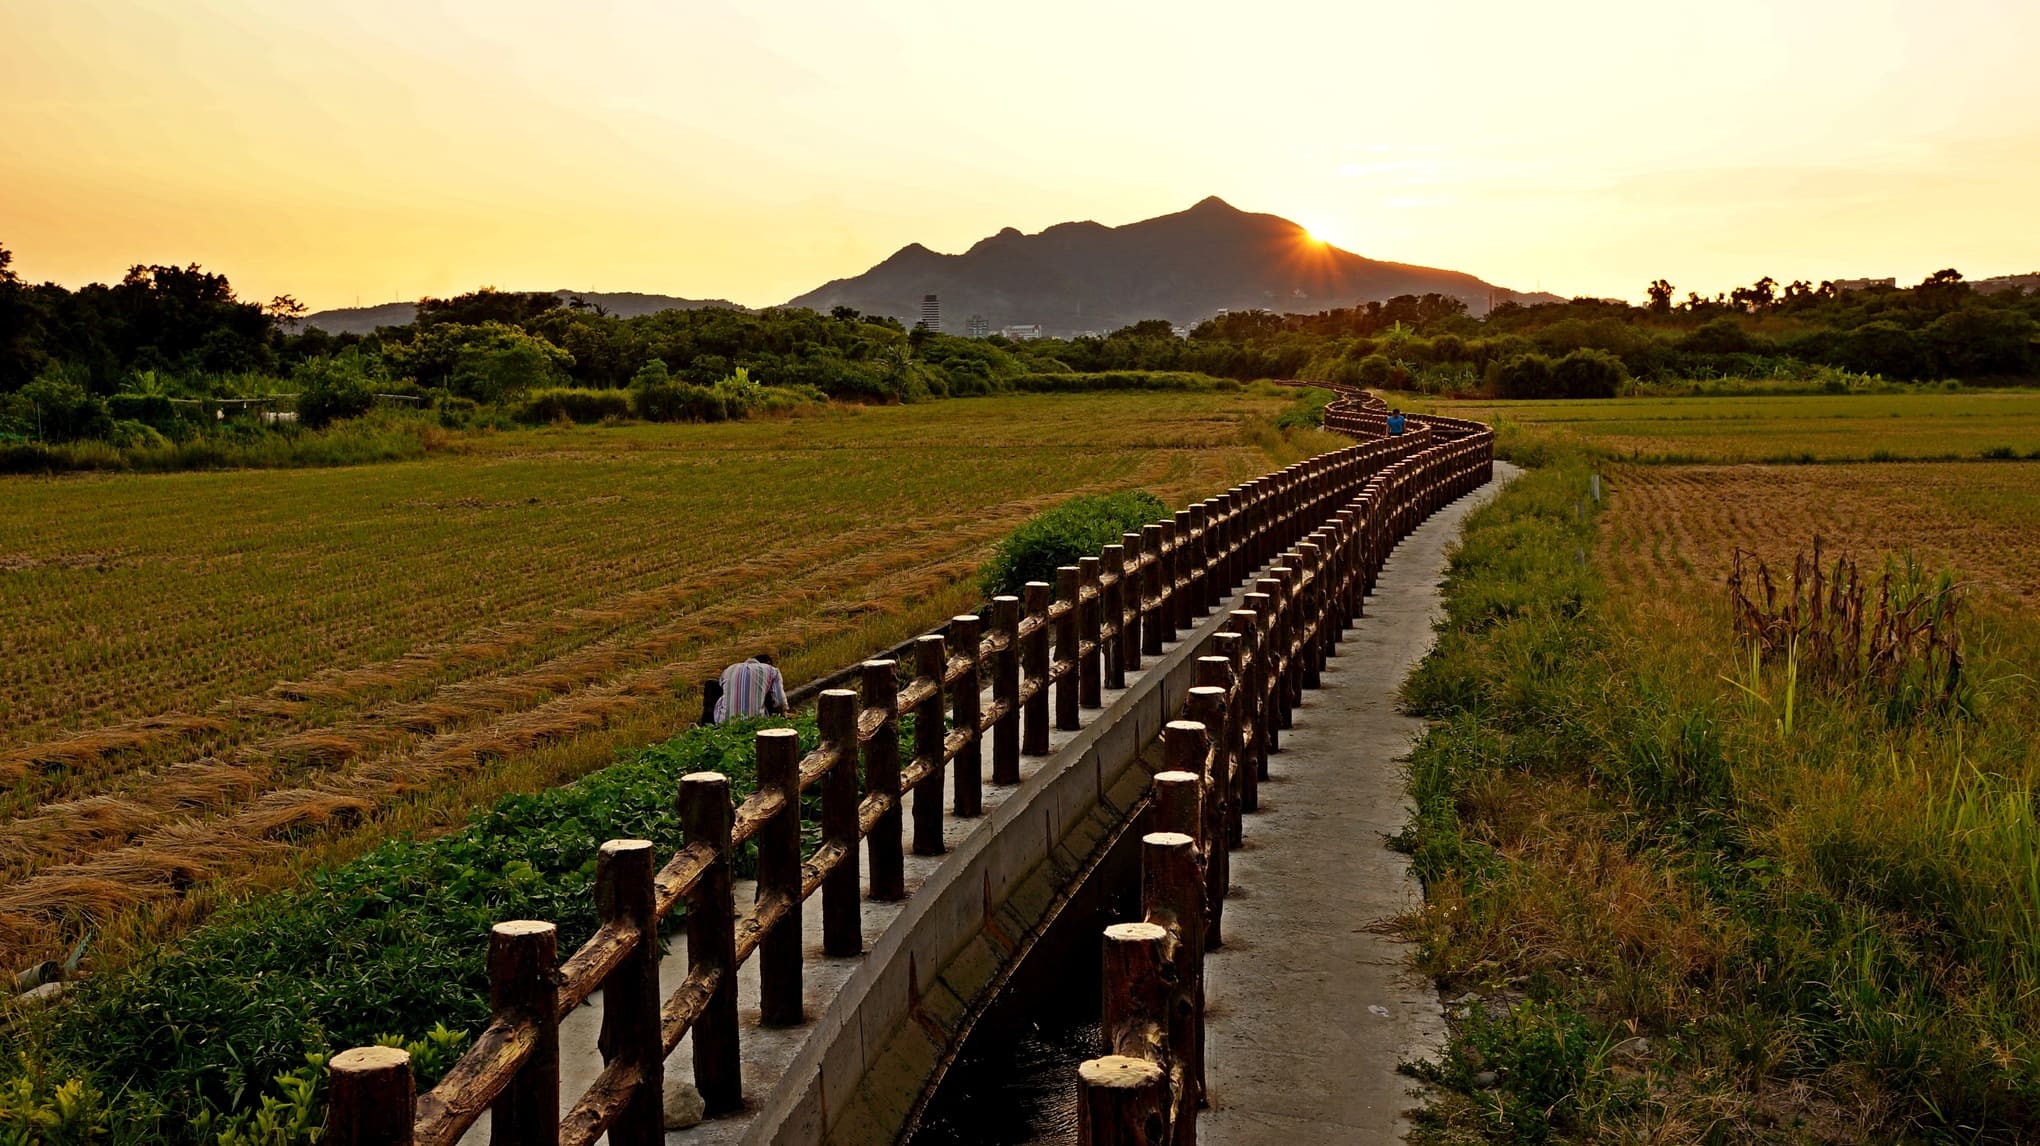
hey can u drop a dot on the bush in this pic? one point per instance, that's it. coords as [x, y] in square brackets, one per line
[336, 386]
[1523, 376]
[542, 407]
[54, 408]
[1588, 374]
[676, 402]
[1077, 528]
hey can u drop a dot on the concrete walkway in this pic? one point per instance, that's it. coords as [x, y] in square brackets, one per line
[1308, 1008]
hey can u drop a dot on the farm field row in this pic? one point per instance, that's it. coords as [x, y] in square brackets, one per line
[209, 676]
[1776, 428]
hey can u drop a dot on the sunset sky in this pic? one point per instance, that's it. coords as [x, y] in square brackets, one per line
[370, 150]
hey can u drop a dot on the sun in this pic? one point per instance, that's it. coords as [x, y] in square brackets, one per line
[1318, 236]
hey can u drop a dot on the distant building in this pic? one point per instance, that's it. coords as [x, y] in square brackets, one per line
[977, 326]
[2006, 282]
[931, 313]
[1024, 332]
[1842, 285]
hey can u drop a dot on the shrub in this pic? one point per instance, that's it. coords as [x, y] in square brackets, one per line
[541, 407]
[1077, 528]
[676, 402]
[55, 408]
[337, 386]
[1588, 373]
[1523, 376]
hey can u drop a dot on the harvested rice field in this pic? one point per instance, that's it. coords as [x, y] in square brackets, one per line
[1777, 428]
[216, 681]
[1676, 528]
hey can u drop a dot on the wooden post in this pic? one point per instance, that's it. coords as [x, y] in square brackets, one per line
[1314, 614]
[1186, 566]
[1134, 1016]
[625, 896]
[524, 980]
[705, 818]
[1120, 1103]
[1068, 591]
[1156, 627]
[1131, 640]
[1090, 633]
[1291, 627]
[1178, 793]
[842, 915]
[967, 630]
[882, 777]
[1207, 706]
[1172, 894]
[372, 1098]
[1171, 582]
[1214, 553]
[1253, 699]
[1006, 691]
[931, 659]
[779, 986]
[1113, 582]
[1230, 647]
[1034, 665]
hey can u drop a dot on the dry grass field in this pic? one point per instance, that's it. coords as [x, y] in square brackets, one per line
[211, 681]
[1679, 526]
[1777, 428]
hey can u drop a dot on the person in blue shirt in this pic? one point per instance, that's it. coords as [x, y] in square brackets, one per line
[1395, 422]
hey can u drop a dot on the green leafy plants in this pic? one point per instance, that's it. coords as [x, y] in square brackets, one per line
[1079, 527]
[395, 941]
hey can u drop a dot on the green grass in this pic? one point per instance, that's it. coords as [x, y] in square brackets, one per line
[1963, 424]
[1695, 910]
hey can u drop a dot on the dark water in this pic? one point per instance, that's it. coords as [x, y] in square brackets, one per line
[1014, 1083]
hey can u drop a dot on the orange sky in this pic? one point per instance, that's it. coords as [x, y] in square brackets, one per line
[376, 150]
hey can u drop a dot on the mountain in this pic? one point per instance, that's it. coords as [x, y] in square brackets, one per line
[622, 304]
[1184, 267]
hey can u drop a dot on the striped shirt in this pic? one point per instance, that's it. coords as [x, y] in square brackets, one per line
[750, 688]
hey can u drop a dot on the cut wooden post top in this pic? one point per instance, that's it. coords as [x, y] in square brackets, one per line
[624, 847]
[1136, 933]
[1119, 1072]
[370, 1060]
[521, 928]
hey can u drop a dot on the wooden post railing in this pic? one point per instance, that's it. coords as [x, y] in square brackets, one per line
[1318, 531]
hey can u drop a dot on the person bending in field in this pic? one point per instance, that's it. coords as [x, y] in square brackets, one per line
[751, 688]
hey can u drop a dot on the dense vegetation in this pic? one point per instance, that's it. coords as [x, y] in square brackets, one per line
[1686, 895]
[1077, 528]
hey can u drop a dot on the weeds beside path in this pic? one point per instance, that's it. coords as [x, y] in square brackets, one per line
[1672, 912]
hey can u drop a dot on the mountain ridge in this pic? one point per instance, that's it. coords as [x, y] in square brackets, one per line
[1186, 266]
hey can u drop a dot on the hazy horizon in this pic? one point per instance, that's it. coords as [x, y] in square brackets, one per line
[386, 151]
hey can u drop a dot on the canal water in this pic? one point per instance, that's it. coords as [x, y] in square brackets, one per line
[1014, 1082]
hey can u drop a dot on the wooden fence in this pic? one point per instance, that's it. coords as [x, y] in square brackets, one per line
[1147, 1088]
[1047, 655]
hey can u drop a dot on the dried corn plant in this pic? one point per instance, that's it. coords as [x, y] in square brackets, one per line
[1897, 640]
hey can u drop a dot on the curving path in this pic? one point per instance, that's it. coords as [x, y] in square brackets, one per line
[1308, 1007]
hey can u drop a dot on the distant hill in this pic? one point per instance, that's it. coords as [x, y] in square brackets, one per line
[622, 304]
[1184, 267]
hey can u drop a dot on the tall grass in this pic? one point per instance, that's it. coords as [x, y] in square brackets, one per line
[1828, 919]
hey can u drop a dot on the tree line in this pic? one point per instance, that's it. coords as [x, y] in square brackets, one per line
[128, 362]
